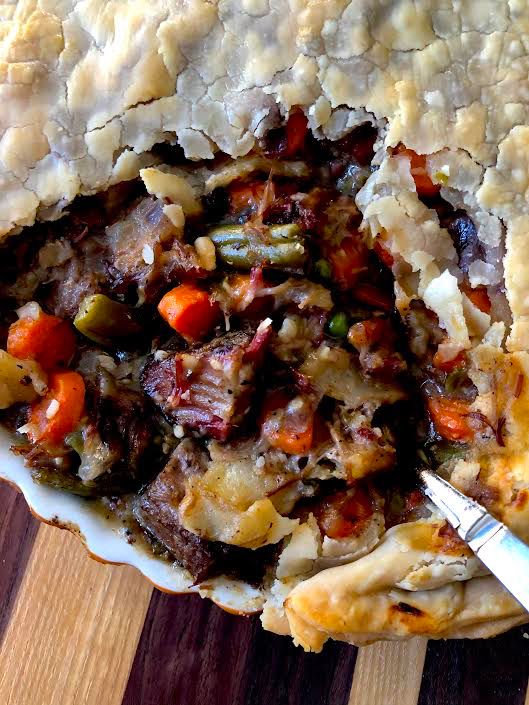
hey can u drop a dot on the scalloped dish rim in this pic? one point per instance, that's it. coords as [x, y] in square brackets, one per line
[105, 542]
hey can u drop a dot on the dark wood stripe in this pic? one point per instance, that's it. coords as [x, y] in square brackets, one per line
[191, 653]
[18, 529]
[477, 672]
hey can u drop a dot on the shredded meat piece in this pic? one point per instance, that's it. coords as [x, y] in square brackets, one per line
[82, 275]
[208, 388]
[84, 271]
[483, 493]
[423, 329]
[297, 337]
[157, 511]
[359, 448]
[122, 423]
[307, 210]
[300, 295]
[376, 340]
[147, 228]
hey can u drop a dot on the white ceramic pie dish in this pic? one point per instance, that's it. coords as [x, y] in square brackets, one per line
[106, 542]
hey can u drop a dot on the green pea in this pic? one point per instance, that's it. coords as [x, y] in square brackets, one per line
[338, 325]
[323, 269]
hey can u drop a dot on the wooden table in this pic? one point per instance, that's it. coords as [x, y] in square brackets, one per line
[75, 632]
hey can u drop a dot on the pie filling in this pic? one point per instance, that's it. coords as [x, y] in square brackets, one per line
[216, 353]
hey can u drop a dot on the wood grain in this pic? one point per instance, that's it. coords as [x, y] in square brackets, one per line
[192, 653]
[477, 672]
[526, 701]
[388, 673]
[74, 629]
[18, 530]
[81, 633]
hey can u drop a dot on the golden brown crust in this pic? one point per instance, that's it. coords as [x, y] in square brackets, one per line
[407, 586]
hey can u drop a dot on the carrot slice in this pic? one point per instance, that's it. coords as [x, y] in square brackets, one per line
[373, 296]
[290, 432]
[479, 297]
[458, 362]
[423, 183]
[48, 340]
[370, 332]
[246, 195]
[293, 442]
[344, 514]
[296, 130]
[189, 311]
[59, 412]
[348, 261]
[285, 142]
[383, 254]
[450, 418]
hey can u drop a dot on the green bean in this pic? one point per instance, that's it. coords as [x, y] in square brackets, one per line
[446, 450]
[66, 481]
[109, 484]
[75, 441]
[280, 246]
[103, 320]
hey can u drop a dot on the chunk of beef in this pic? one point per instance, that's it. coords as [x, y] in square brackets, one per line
[359, 448]
[157, 511]
[377, 343]
[82, 275]
[118, 259]
[122, 423]
[84, 272]
[208, 388]
[423, 329]
[146, 234]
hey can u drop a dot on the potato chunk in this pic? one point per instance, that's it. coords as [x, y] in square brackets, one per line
[20, 380]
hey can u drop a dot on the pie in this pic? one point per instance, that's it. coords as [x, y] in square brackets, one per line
[260, 262]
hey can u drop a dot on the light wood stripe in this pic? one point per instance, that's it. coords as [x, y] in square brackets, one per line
[388, 673]
[75, 627]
